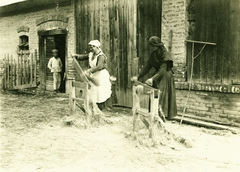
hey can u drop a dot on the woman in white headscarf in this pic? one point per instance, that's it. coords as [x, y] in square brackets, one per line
[98, 71]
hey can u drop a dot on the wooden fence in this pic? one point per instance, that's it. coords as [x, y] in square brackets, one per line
[20, 72]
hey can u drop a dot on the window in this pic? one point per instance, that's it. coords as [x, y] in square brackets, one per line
[23, 44]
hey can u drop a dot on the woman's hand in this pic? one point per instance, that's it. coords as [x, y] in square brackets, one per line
[134, 78]
[73, 55]
[149, 82]
[87, 73]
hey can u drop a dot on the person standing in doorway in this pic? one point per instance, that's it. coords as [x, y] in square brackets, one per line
[55, 65]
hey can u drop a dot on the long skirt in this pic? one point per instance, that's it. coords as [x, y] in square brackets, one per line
[101, 92]
[168, 96]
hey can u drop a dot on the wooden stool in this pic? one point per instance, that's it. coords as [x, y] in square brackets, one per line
[79, 92]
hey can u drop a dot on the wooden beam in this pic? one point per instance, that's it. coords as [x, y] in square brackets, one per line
[206, 124]
[201, 42]
[52, 32]
[79, 84]
[25, 86]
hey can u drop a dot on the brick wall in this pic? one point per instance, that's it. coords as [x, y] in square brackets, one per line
[210, 104]
[174, 33]
[9, 29]
[10, 25]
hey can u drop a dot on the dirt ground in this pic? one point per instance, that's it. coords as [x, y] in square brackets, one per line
[34, 138]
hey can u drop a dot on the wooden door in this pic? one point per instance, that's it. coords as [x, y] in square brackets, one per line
[49, 46]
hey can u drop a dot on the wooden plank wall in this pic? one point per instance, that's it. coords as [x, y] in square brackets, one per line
[116, 24]
[149, 24]
[49, 46]
[217, 21]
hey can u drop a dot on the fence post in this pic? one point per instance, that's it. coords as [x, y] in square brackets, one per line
[12, 70]
[17, 71]
[35, 66]
[14, 73]
[5, 80]
[7, 71]
[11, 73]
[31, 69]
[21, 69]
[24, 68]
[70, 97]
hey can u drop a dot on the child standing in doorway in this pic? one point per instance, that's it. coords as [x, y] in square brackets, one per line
[55, 65]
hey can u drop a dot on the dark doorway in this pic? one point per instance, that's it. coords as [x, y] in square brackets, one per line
[60, 45]
[47, 44]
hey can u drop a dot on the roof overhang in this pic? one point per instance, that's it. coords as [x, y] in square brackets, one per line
[31, 6]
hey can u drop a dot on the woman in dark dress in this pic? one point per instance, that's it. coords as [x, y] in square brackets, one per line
[162, 78]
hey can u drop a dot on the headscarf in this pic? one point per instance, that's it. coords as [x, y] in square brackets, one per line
[54, 50]
[155, 41]
[95, 43]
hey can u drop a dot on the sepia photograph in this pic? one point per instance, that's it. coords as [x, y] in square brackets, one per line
[119, 85]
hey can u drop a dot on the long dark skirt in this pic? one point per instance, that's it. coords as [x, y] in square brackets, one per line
[168, 96]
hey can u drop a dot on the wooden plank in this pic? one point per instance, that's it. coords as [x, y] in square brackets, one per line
[28, 70]
[79, 84]
[208, 51]
[79, 71]
[233, 43]
[8, 72]
[111, 59]
[5, 71]
[31, 68]
[81, 99]
[72, 102]
[23, 69]
[215, 77]
[35, 67]
[120, 72]
[11, 71]
[238, 35]
[91, 16]
[198, 37]
[14, 72]
[219, 41]
[143, 112]
[42, 62]
[129, 21]
[201, 59]
[116, 38]
[206, 119]
[116, 48]
[206, 124]
[189, 59]
[17, 71]
[24, 86]
[226, 65]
